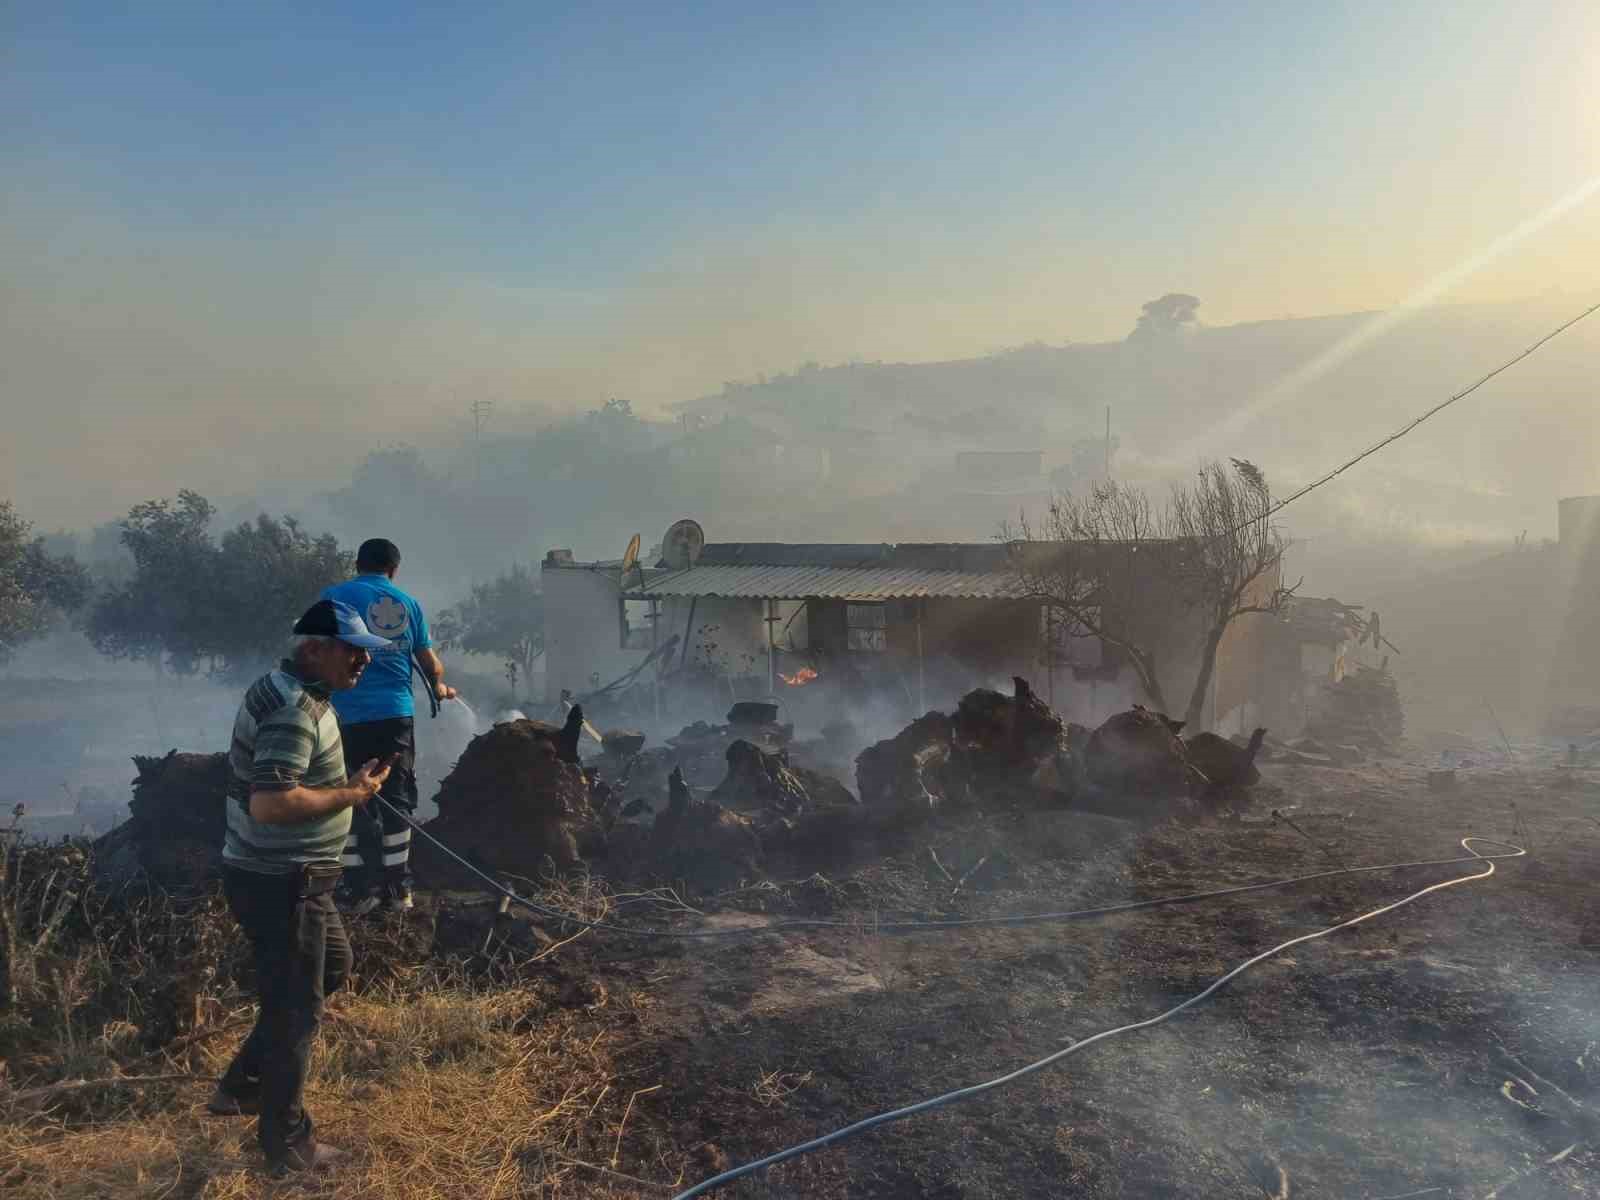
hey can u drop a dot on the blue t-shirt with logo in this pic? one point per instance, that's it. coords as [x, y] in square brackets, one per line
[385, 687]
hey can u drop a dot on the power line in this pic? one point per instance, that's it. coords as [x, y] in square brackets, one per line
[1398, 434]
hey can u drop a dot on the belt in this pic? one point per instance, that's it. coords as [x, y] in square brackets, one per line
[307, 879]
[317, 879]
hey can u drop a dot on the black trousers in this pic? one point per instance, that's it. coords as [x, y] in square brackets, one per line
[301, 956]
[378, 851]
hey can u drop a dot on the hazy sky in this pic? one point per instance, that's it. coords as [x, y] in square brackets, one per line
[241, 243]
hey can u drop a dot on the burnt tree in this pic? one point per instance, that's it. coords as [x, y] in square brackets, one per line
[1229, 557]
[1088, 561]
[1146, 578]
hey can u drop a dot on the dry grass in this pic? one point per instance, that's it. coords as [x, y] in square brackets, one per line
[451, 1094]
[436, 1100]
[473, 1072]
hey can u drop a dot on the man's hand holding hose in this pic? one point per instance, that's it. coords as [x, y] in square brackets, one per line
[294, 805]
[432, 670]
[369, 779]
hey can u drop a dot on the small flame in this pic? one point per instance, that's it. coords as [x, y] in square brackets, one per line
[800, 678]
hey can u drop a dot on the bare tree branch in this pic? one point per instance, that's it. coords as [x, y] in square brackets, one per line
[1232, 558]
[1116, 567]
[1088, 560]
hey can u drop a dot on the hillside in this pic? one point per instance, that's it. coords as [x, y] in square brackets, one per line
[867, 451]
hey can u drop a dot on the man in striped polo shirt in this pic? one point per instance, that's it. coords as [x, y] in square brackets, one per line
[288, 806]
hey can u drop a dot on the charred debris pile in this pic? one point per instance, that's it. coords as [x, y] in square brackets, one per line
[1361, 711]
[518, 803]
[721, 803]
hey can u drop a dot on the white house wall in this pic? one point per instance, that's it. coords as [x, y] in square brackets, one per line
[582, 633]
[731, 634]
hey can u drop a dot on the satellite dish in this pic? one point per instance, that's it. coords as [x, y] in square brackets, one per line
[630, 555]
[681, 546]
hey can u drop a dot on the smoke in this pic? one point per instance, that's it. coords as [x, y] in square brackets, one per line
[264, 375]
[71, 722]
[1373, 329]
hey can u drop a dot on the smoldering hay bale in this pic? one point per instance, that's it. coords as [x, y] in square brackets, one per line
[996, 750]
[702, 842]
[1139, 752]
[757, 780]
[1007, 732]
[510, 801]
[1224, 764]
[765, 781]
[915, 772]
[173, 837]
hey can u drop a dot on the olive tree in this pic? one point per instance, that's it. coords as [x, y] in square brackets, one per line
[36, 587]
[194, 603]
[504, 616]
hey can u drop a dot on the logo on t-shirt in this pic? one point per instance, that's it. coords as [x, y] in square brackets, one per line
[387, 617]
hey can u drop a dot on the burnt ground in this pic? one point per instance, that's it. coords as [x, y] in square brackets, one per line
[1367, 1064]
[1375, 1063]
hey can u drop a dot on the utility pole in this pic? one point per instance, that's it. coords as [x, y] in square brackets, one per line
[480, 417]
[1108, 442]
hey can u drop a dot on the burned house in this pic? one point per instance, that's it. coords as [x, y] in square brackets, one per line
[1317, 643]
[862, 621]
[842, 629]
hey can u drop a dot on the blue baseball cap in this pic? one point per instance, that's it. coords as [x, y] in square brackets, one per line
[331, 618]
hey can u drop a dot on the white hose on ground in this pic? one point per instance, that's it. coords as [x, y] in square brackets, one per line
[967, 1093]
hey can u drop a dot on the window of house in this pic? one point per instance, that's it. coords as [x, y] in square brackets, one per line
[866, 627]
[634, 619]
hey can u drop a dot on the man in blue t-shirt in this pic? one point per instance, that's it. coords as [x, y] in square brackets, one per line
[376, 721]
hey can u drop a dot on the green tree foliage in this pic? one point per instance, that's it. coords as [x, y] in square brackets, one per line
[504, 617]
[161, 612]
[192, 603]
[268, 573]
[36, 587]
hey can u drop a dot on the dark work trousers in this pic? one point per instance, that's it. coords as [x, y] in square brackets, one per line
[377, 855]
[301, 955]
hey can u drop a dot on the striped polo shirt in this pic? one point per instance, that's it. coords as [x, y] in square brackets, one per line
[286, 734]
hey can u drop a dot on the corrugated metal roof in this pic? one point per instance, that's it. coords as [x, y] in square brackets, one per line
[792, 554]
[928, 556]
[833, 583]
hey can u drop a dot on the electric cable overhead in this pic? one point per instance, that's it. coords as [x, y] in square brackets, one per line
[1279, 505]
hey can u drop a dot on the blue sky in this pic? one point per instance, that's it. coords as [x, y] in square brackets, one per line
[574, 145]
[648, 199]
